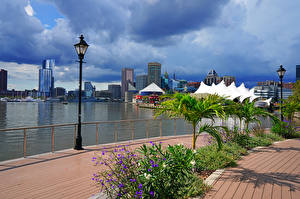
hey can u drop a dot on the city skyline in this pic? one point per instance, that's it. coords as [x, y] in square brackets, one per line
[229, 36]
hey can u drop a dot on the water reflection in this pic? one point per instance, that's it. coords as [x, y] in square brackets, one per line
[3, 115]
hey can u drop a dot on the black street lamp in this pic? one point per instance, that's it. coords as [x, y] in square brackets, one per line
[80, 48]
[281, 72]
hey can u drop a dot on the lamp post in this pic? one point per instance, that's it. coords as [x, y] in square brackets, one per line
[281, 72]
[80, 48]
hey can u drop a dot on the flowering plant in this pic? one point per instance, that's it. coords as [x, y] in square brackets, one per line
[153, 173]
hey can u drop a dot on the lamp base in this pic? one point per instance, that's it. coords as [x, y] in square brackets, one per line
[78, 145]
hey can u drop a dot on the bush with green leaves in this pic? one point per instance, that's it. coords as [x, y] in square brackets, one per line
[249, 142]
[285, 129]
[152, 173]
[209, 158]
[172, 178]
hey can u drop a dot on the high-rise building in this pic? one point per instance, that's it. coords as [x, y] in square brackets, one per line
[3, 80]
[89, 89]
[46, 78]
[228, 80]
[154, 73]
[115, 91]
[127, 77]
[59, 91]
[212, 77]
[141, 82]
[297, 72]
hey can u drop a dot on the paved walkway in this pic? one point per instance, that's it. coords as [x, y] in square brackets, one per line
[272, 172]
[65, 174]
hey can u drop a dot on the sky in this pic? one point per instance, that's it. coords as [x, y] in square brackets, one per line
[248, 39]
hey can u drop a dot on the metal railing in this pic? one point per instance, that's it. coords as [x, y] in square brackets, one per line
[147, 128]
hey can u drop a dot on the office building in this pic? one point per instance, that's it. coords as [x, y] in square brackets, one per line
[212, 77]
[228, 80]
[46, 78]
[89, 89]
[267, 91]
[127, 77]
[3, 80]
[154, 73]
[115, 91]
[297, 72]
[59, 91]
[141, 82]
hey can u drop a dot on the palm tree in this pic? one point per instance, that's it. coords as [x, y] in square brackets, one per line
[249, 113]
[194, 110]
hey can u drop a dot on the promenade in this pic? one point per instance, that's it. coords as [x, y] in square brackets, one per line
[271, 172]
[63, 174]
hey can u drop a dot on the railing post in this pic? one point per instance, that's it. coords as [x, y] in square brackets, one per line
[147, 129]
[96, 134]
[175, 127]
[132, 130]
[52, 135]
[74, 138]
[116, 133]
[24, 144]
[160, 129]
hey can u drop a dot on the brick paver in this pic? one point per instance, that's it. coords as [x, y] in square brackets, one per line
[270, 172]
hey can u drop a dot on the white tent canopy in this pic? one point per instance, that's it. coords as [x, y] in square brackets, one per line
[231, 92]
[152, 88]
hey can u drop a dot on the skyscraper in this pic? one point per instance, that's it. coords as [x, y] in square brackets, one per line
[297, 72]
[46, 78]
[127, 77]
[3, 80]
[115, 91]
[141, 81]
[89, 89]
[154, 73]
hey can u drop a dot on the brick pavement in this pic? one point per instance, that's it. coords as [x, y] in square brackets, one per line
[270, 172]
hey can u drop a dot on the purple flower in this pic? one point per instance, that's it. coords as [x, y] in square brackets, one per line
[93, 178]
[164, 159]
[149, 170]
[151, 193]
[103, 153]
[151, 142]
[140, 186]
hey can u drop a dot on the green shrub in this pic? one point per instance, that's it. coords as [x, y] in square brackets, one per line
[174, 178]
[272, 136]
[285, 129]
[209, 158]
[153, 173]
[248, 142]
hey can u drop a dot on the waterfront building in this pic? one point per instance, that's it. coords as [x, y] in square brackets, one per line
[267, 83]
[127, 77]
[267, 91]
[89, 89]
[212, 77]
[141, 81]
[154, 73]
[46, 78]
[103, 94]
[194, 84]
[59, 91]
[286, 92]
[297, 72]
[3, 80]
[173, 84]
[228, 79]
[115, 91]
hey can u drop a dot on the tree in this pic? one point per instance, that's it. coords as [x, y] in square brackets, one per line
[250, 113]
[193, 110]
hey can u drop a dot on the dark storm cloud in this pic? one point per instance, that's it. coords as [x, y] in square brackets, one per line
[99, 16]
[161, 19]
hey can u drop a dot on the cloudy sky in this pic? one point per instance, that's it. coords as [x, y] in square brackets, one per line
[248, 39]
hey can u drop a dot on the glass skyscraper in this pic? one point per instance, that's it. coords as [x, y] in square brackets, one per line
[127, 77]
[46, 78]
[297, 72]
[154, 73]
[3, 80]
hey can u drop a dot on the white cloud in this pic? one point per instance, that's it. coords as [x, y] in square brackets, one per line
[29, 10]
